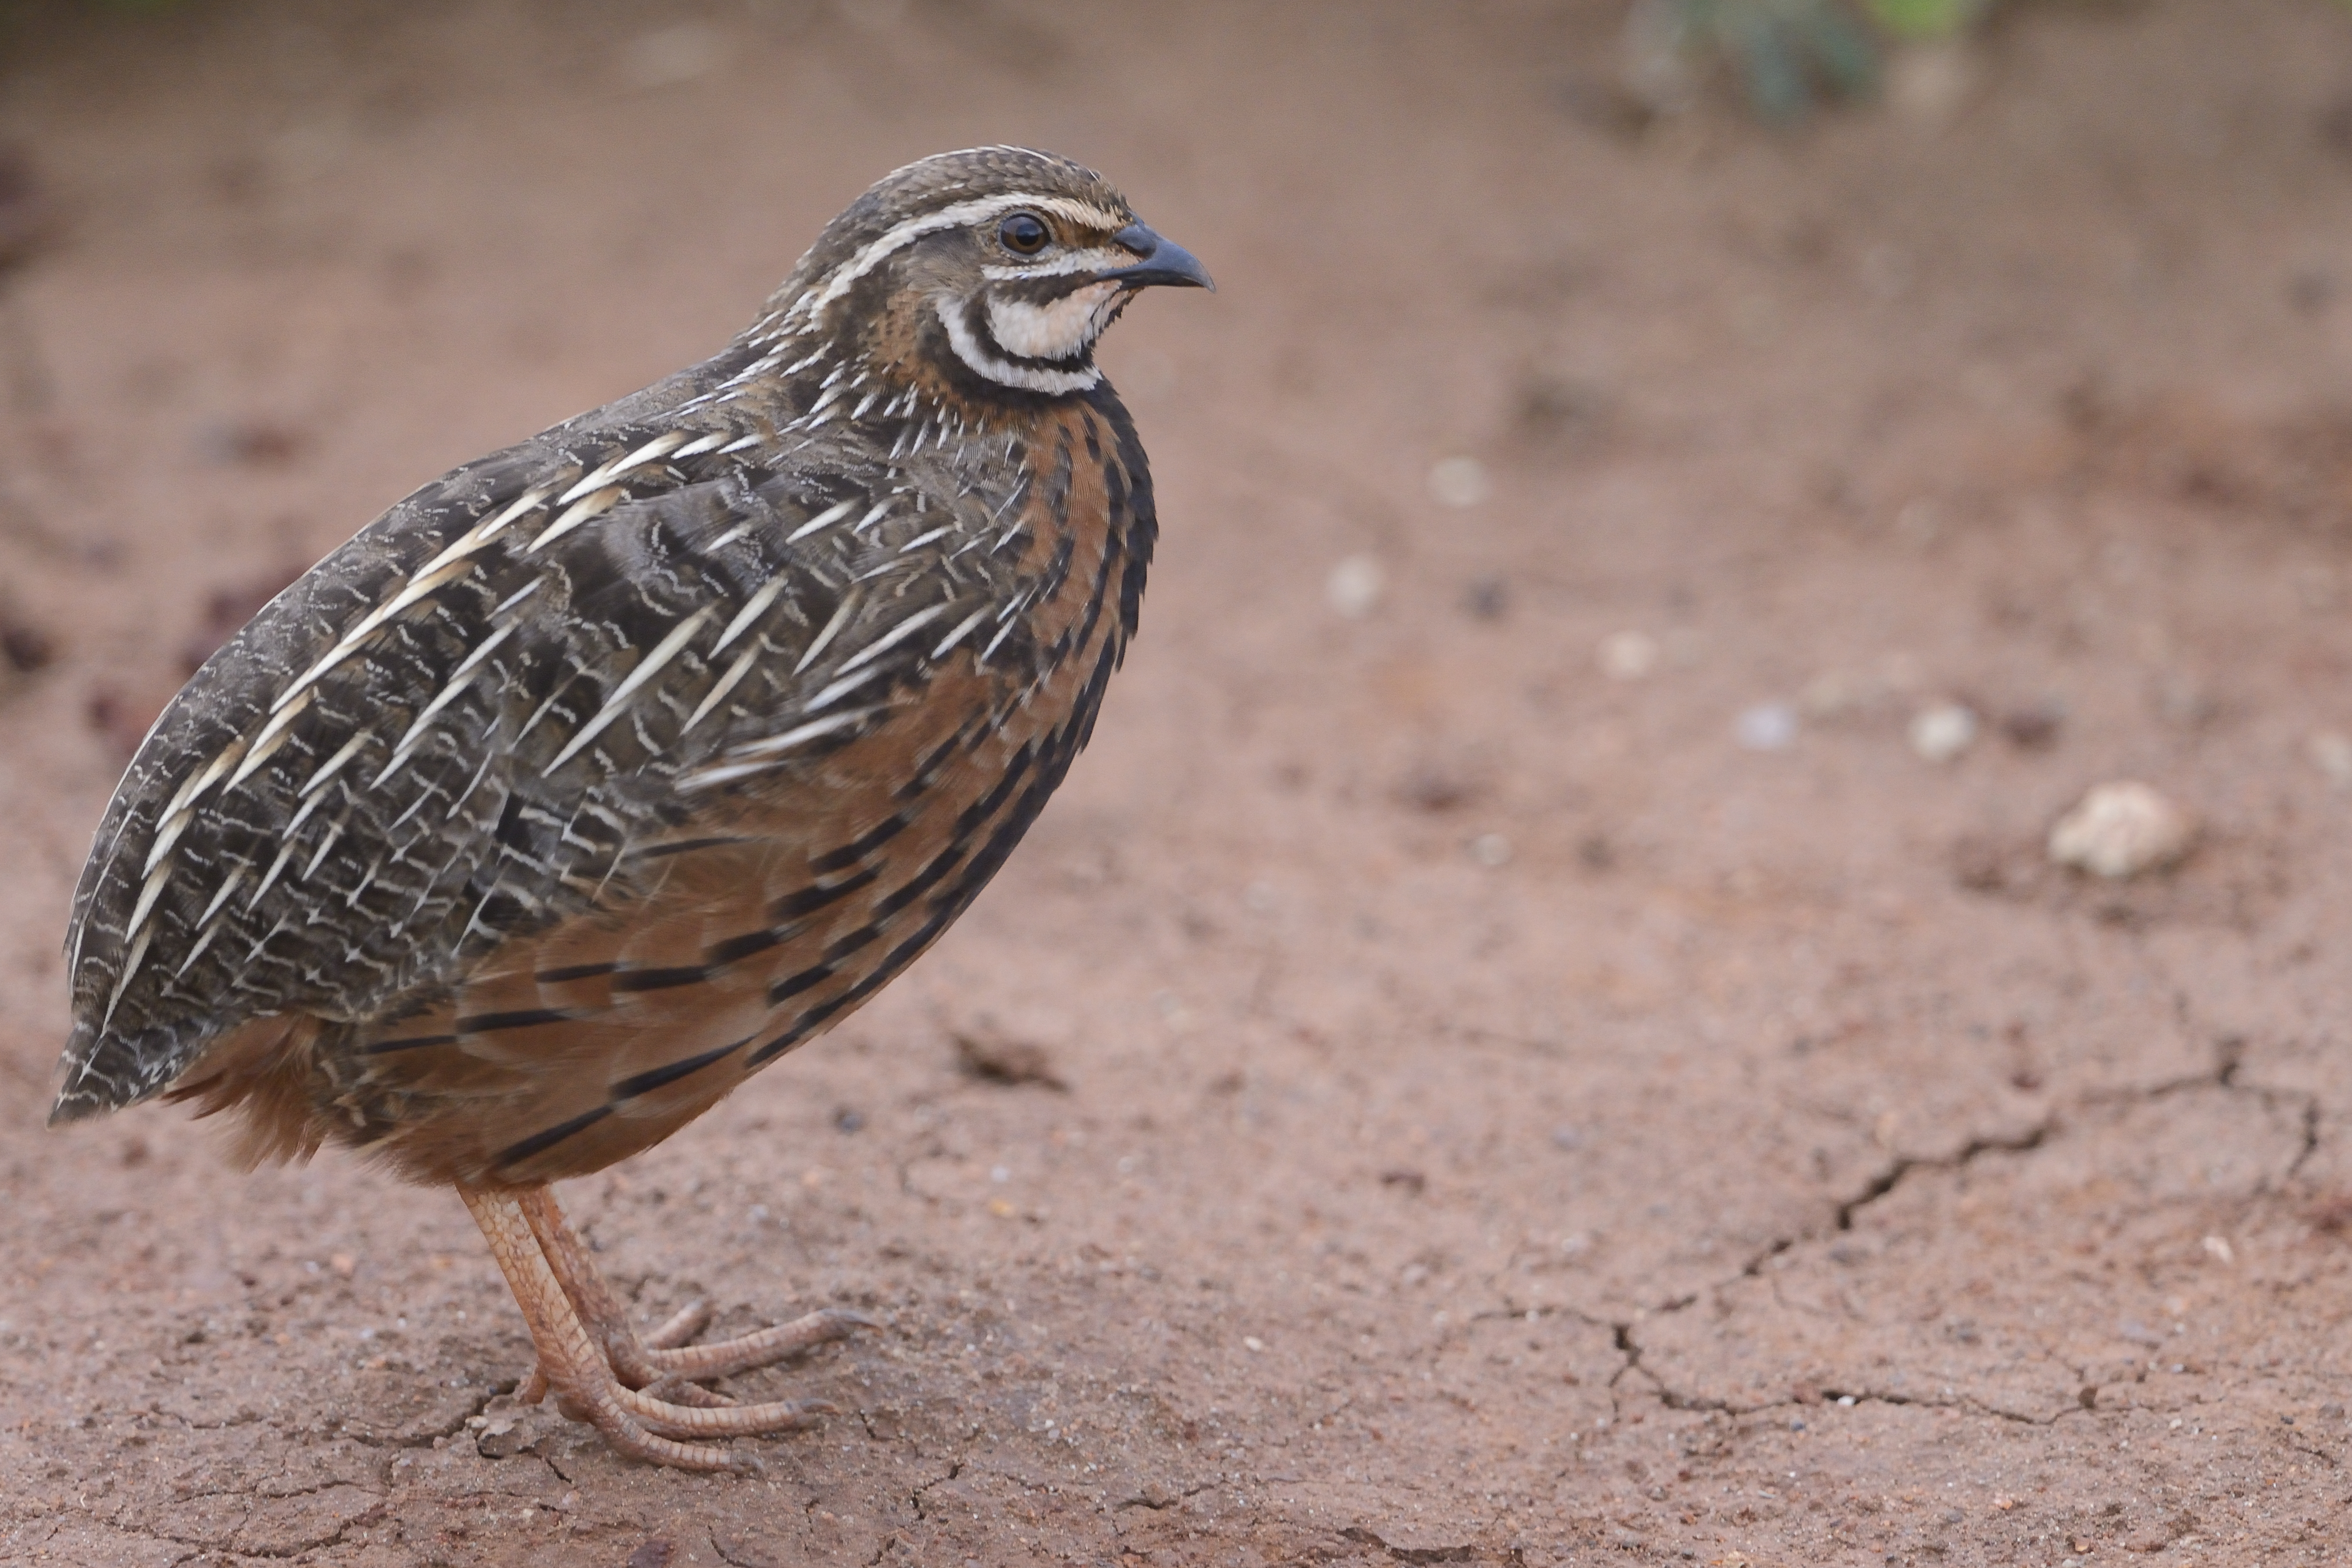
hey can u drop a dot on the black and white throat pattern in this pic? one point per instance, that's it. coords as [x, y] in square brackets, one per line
[1036, 336]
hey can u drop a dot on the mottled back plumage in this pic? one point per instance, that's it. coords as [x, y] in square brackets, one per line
[596, 775]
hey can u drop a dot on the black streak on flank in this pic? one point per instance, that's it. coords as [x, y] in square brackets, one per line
[524, 1018]
[647, 1082]
[685, 846]
[857, 850]
[793, 985]
[540, 1142]
[411, 1043]
[627, 980]
[808, 901]
[573, 972]
[721, 953]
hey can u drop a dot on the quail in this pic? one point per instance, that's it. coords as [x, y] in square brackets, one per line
[595, 775]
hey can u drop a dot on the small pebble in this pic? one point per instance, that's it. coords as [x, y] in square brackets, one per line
[1628, 655]
[670, 56]
[1459, 482]
[1941, 733]
[2033, 726]
[2120, 830]
[2331, 754]
[1487, 598]
[1766, 727]
[1355, 586]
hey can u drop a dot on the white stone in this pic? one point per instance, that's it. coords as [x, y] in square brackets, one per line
[2331, 754]
[1459, 482]
[1628, 655]
[1766, 727]
[1355, 586]
[1942, 732]
[2121, 829]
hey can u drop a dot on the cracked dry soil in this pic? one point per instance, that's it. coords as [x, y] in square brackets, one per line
[1770, 1160]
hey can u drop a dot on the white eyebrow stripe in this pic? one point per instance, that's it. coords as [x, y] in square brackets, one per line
[1101, 259]
[844, 278]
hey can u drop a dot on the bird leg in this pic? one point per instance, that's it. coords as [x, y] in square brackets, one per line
[663, 1361]
[637, 1426]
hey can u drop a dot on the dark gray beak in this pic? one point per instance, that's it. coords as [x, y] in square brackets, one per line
[1162, 262]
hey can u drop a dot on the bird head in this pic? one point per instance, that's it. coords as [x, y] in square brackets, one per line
[979, 273]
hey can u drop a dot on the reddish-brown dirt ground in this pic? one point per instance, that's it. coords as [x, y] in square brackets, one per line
[1497, 1116]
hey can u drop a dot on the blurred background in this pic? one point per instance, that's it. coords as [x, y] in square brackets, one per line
[1596, 998]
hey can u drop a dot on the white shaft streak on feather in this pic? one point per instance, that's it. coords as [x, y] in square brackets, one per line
[661, 446]
[892, 638]
[182, 811]
[845, 276]
[998, 639]
[832, 629]
[922, 539]
[1004, 373]
[697, 447]
[727, 683]
[578, 512]
[482, 533]
[204, 939]
[222, 897]
[874, 514]
[350, 640]
[753, 608]
[269, 878]
[800, 733]
[265, 745]
[647, 667]
[741, 444]
[328, 769]
[962, 629]
[842, 688]
[459, 681]
[334, 832]
[130, 968]
[825, 519]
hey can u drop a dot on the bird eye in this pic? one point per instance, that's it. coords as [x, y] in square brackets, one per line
[1024, 234]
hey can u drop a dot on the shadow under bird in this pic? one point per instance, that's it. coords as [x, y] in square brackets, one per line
[597, 775]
